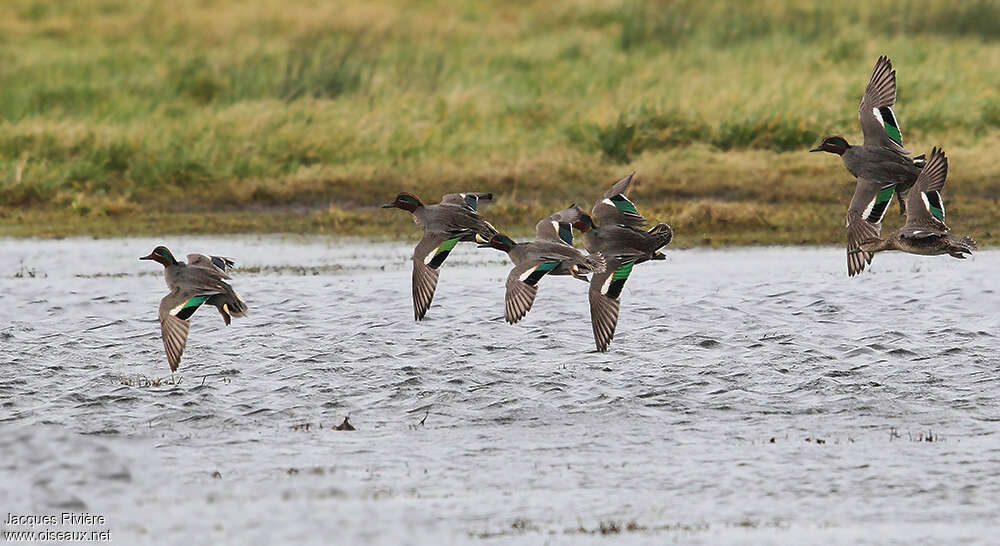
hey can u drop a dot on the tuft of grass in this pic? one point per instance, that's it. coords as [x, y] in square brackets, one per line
[319, 73]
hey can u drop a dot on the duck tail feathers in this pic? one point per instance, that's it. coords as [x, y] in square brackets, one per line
[596, 262]
[223, 263]
[661, 234]
[229, 304]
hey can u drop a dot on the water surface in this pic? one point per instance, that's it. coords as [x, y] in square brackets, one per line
[753, 395]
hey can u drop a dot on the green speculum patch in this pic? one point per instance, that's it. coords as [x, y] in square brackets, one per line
[442, 252]
[622, 272]
[891, 125]
[618, 279]
[934, 204]
[190, 306]
[566, 233]
[623, 204]
[540, 272]
[881, 204]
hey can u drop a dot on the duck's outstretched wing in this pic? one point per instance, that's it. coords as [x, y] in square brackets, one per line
[864, 221]
[878, 121]
[924, 204]
[605, 291]
[615, 207]
[428, 256]
[522, 285]
[558, 227]
[201, 279]
[222, 263]
[468, 200]
[175, 314]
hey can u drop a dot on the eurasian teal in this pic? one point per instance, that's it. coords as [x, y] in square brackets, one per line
[615, 232]
[202, 280]
[551, 253]
[882, 166]
[925, 232]
[453, 220]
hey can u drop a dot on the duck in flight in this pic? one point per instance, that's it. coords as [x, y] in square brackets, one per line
[202, 280]
[615, 229]
[925, 232]
[455, 219]
[881, 165]
[551, 253]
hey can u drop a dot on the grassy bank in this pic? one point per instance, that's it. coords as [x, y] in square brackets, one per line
[141, 117]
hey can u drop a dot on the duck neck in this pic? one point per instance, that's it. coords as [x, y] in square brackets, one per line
[880, 245]
[504, 246]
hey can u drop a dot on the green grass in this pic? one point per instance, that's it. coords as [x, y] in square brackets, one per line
[140, 117]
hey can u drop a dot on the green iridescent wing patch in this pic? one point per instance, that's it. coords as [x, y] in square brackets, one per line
[888, 119]
[878, 206]
[935, 205]
[538, 272]
[441, 253]
[623, 204]
[566, 233]
[618, 279]
[190, 306]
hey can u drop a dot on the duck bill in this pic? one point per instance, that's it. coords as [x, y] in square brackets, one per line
[817, 149]
[150, 257]
[389, 206]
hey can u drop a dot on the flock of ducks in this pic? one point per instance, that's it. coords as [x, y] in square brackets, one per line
[615, 234]
[884, 168]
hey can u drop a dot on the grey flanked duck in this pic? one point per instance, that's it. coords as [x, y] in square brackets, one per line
[925, 232]
[551, 253]
[455, 219]
[616, 231]
[881, 165]
[202, 280]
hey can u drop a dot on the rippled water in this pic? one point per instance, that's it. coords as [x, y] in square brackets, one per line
[753, 395]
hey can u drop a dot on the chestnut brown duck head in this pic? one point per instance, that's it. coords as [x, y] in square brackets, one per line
[833, 144]
[499, 242]
[406, 201]
[162, 255]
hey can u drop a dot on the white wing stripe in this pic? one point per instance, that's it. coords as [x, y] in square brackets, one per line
[607, 284]
[878, 116]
